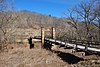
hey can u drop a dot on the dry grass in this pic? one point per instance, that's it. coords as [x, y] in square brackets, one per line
[25, 57]
[37, 57]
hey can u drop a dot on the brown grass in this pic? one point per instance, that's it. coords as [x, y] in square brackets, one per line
[22, 56]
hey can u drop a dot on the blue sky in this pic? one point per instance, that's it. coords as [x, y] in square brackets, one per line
[53, 7]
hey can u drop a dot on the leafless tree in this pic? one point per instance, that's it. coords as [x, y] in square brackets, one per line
[97, 21]
[84, 14]
[7, 22]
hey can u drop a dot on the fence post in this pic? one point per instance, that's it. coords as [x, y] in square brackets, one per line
[42, 37]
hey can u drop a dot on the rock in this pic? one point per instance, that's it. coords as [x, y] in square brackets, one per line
[97, 62]
[93, 61]
[55, 47]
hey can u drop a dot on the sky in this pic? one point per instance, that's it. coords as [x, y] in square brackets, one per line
[49, 7]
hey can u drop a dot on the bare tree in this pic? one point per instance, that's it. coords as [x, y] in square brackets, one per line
[84, 14]
[7, 22]
[97, 21]
[74, 21]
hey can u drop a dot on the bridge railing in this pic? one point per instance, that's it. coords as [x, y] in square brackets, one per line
[77, 44]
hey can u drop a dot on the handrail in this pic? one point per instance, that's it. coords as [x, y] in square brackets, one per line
[74, 45]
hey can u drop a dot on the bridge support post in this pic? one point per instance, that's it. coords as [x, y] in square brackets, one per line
[42, 37]
[86, 47]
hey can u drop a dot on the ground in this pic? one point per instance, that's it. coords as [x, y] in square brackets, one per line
[37, 57]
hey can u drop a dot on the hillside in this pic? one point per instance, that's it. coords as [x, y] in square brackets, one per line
[30, 19]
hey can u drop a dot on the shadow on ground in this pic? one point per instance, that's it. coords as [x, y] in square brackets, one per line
[66, 57]
[69, 58]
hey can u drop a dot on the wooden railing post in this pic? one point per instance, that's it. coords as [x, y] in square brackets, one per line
[42, 37]
[53, 33]
[54, 47]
